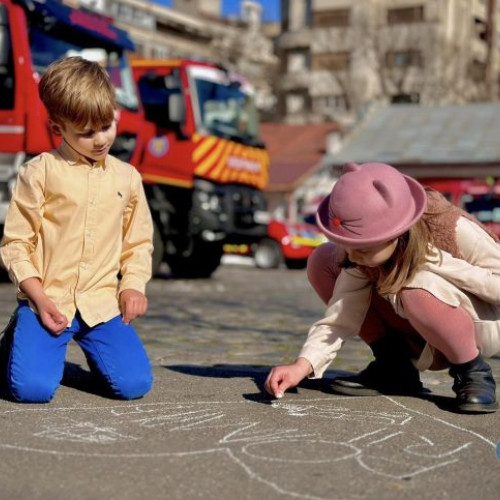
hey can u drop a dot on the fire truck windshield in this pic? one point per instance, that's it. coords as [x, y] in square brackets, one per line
[225, 110]
[46, 47]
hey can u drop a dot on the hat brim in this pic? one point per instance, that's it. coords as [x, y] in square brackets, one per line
[419, 196]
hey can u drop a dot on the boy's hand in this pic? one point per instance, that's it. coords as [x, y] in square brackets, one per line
[51, 318]
[132, 304]
[284, 377]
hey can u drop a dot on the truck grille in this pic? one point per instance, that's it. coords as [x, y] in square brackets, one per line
[244, 203]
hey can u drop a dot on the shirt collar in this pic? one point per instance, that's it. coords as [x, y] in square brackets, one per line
[73, 157]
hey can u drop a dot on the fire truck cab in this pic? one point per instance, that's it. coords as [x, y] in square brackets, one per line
[205, 167]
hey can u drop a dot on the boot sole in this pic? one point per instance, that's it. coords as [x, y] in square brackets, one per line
[478, 408]
[354, 389]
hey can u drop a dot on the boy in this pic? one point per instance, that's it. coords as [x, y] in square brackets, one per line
[77, 220]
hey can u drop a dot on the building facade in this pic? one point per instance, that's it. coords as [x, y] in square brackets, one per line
[339, 56]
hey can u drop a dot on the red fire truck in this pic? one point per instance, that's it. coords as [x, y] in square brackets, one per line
[32, 35]
[480, 197]
[205, 167]
[202, 180]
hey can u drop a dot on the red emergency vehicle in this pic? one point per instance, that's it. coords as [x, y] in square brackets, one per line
[289, 243]
[33, 34]
[205, 167]
[480, 197]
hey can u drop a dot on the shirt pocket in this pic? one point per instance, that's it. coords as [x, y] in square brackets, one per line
[114, 196]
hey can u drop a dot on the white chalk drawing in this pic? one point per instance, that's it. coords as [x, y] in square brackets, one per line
[80, 432]
[380, 444]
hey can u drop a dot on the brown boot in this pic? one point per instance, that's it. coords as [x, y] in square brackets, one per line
[474, 386]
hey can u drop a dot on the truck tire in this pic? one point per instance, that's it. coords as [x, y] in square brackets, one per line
[158, 249]
[199, 261]
[268, 255]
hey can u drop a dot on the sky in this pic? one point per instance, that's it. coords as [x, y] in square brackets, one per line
[270, 13]
[271, 9]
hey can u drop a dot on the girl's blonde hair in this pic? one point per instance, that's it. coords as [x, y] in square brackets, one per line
[413, 249]
[78, 91]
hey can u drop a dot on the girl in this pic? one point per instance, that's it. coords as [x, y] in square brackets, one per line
[417, 278]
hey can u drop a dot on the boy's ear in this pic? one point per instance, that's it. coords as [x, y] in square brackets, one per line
[55, 128]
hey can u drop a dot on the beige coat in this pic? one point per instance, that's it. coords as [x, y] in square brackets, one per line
[472, 282]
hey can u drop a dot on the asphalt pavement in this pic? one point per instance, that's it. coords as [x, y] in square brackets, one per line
[208, 431]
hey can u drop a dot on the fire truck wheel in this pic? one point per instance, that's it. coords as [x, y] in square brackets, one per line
[158, 249]
[4, 277]
[268, 255]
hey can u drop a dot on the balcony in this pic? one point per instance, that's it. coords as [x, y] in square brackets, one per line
[294, 39]
[296, 80]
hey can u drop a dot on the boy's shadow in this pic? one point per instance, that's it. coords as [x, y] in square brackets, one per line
[76, 377]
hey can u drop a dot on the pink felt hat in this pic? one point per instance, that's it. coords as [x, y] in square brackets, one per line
[370, 204]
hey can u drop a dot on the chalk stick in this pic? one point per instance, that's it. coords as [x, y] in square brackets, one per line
[278, 395]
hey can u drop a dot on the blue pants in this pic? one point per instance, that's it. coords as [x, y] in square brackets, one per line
[35, 357]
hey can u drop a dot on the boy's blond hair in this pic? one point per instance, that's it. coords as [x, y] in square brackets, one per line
[78, 91]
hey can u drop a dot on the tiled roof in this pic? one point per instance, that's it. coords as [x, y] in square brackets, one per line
[296, 151]
[406, 134]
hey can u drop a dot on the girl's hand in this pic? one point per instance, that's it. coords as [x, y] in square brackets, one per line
[51, 318]
[132, 304]
[284, 377]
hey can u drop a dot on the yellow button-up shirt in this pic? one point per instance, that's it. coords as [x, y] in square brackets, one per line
[84, 230]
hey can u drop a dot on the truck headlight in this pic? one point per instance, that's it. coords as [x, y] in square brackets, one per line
[209, 201]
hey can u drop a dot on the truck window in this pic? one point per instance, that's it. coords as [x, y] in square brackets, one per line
[158, 93]
[485, 207]
[6, 63]
[226, 111]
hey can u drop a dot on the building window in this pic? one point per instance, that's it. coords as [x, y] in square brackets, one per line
[298, 61]
[160, 52]
[333, 61]
[481, 29]
[404, 59]
[134, 16]
[412, 98]
[405, 15]
[329, 105]
[296, 103]
[338, 18]
[478, 71]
